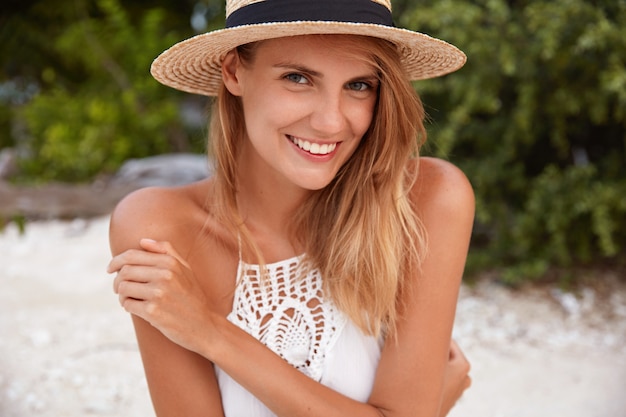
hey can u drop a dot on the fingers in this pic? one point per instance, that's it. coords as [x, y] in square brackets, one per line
[135, 291]
[152, 245]
[162, 247]
[151, 254]
[133, 273]
[133, 257]
[138, 288]
[134, 306]
[456, 354]
[459, 365]
[467, 382]
[454, 350]
[155, 261]
[144, 272]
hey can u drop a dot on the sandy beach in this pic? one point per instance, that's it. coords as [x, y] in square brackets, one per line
[68, 350]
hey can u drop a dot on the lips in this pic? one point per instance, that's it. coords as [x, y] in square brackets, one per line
[313, 148]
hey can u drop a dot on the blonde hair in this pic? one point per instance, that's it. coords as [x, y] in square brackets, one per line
[360, 231]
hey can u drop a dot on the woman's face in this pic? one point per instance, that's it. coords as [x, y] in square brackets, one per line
[306, 103]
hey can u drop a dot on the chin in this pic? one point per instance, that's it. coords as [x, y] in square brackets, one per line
[315, 184]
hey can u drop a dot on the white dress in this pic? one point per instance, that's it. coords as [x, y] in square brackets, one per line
[289, 314]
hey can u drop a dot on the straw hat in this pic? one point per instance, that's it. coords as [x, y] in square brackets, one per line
[194, 65]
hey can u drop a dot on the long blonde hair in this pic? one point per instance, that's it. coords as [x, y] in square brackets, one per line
[360, 231]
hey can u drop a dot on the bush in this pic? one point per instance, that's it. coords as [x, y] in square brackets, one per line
[112, 109]
[537, 120]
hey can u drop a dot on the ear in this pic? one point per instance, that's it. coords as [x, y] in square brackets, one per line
[231, 67]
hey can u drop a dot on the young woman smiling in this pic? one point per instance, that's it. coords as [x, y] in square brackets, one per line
[317, 271]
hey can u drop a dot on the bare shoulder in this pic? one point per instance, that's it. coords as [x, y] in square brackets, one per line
[441, 187]
[159, 213]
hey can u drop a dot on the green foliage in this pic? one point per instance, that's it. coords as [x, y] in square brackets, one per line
[109, 109]
[537, 120]
[5, 123]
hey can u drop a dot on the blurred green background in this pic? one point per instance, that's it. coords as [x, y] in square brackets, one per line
[536, 118]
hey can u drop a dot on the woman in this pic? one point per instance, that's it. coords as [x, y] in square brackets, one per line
[316, 273]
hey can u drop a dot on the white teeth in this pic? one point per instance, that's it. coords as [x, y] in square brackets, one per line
[314, 148]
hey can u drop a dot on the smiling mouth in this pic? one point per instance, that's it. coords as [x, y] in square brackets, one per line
[313, 148]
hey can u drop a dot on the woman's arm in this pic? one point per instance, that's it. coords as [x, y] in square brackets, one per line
[181, 382]
[410, 378]
[413, 369]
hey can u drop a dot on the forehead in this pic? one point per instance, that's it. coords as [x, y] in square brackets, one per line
[323, 53]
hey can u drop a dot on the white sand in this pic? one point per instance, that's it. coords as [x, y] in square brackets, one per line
[68, 350]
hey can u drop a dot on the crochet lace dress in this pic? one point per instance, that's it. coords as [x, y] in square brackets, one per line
[288, 313]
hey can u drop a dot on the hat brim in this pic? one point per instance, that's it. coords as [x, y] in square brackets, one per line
[194, 65]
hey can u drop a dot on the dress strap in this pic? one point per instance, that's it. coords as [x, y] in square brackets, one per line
[239, 247]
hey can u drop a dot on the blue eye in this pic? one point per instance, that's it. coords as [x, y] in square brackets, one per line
[296, 78]
[359, 86]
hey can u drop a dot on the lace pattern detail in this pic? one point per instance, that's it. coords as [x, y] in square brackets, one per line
[287, 313]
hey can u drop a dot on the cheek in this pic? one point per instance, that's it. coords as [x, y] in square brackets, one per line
[364, 118]
[272, 111]
[258, 114]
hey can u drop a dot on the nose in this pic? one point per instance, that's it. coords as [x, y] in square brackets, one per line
[329, 115]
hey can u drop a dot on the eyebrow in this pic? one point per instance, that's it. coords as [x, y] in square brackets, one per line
[299, 68]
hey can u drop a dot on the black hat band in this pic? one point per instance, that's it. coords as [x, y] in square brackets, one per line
[273, 11]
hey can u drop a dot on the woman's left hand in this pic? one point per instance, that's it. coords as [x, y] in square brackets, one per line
[456, 379]
[157, 284]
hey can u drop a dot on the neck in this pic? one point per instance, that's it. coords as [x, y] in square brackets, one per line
[267, 201]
